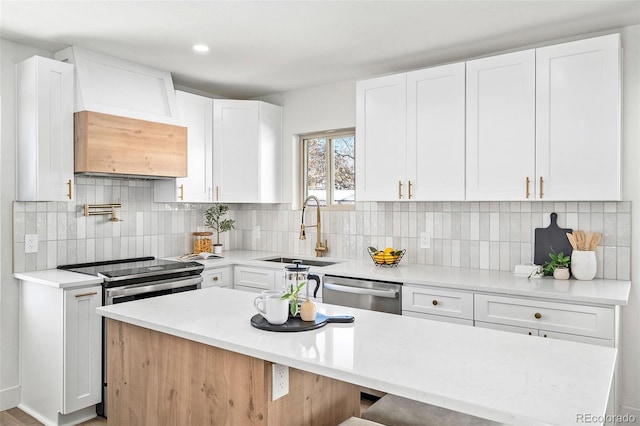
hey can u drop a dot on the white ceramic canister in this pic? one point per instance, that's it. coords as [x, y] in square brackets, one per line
[583, 265]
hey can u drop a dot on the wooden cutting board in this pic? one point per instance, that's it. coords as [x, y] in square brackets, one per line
[551, 239]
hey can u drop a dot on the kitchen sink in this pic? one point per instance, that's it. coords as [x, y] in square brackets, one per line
[308, 262]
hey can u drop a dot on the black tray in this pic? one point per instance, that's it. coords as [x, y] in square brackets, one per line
[296, 323]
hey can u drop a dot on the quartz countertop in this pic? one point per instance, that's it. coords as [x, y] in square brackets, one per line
[505, 377]
[597, 291]
[59, 278]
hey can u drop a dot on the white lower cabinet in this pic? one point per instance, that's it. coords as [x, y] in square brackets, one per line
[61, 353]
[253, 279]
[217, 277]
[582, 320]
[438, 304]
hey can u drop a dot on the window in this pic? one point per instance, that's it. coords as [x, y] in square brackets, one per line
[329, 167]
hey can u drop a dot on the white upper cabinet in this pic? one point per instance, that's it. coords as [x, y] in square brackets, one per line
[435, 133]
[500, 127]
[196, 113]
[381, 139]
[578, 120]
[247, 146]
[115, 86]
[44, 104]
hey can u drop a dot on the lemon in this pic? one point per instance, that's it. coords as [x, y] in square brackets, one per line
[389, 250]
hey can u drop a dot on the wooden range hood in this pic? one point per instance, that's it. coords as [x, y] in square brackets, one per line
[107, 145]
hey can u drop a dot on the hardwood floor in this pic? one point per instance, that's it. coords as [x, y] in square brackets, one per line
[17, 417]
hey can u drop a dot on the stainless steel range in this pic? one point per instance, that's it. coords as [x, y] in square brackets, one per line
[126, 280]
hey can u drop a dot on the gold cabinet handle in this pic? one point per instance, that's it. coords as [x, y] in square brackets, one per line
[435, 302]
[541, 192]
[69, 186]
[527, 188]
[538, 315]
[217, 193]
[215, 278]
[93, 293]
[182, 192]
[410, 195]
[400, 190]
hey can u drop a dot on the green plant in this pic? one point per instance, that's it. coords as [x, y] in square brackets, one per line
[213, 218]
[292, 296]
[558, 260]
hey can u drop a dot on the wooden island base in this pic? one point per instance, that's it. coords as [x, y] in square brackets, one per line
[158, 379]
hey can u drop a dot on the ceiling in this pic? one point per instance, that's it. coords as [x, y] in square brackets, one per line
[264, 47]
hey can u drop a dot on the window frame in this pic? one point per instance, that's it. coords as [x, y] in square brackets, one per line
[329, 135]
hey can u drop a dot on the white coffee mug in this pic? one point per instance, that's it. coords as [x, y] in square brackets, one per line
[274, 309]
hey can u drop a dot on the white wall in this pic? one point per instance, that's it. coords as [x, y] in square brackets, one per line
[631, 191]
[326, 107]
[10, 53]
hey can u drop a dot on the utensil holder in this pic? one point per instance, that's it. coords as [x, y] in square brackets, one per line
[583, 265]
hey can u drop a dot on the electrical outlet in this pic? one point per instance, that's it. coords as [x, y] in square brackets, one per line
[425, 240]
[256, 232]
[30, 243]
[280, 381]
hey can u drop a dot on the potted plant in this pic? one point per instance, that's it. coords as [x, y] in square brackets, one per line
[214, 219]
[558, 266]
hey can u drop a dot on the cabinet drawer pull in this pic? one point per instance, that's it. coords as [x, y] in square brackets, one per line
[93, 293]
[215, 278]
[399, 190]
[538, 315]
[544, 335]
[530, 334]
[541, 192]
[69, 185]
[435, 302]
[527, 188]
[181, 192]
[217, 193]
[410, 195]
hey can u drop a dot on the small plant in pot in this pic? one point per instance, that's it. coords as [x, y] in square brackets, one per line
[214, 219]
[558, 267]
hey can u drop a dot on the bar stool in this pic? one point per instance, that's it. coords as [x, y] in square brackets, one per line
[392, 410]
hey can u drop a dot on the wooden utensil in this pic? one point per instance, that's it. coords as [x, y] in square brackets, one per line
[580, 239]
[572, 240]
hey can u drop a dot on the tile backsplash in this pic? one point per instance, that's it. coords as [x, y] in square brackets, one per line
[478, 235]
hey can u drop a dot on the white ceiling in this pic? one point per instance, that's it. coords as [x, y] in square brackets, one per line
[264, 47]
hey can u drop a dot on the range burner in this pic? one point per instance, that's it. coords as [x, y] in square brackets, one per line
[139, 269]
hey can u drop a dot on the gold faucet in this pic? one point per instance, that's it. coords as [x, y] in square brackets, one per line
[320, 249]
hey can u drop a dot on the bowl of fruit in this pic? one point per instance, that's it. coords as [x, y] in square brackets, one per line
[386, 257]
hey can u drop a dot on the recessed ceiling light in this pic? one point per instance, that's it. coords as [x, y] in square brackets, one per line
[200, 48]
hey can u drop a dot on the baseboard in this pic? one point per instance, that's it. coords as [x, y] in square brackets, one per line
[62, 419]
[10, 398]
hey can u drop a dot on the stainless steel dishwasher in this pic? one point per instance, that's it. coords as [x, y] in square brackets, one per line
[382, 296]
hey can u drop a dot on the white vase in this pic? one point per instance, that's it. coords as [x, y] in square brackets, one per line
[583, 265]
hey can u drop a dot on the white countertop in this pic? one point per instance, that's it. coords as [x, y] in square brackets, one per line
[505, 377]
[597, 291]
[59, 278]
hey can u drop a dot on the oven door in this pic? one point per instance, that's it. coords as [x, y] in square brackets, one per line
[138, 291]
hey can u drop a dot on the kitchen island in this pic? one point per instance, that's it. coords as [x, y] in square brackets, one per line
[504, 377]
